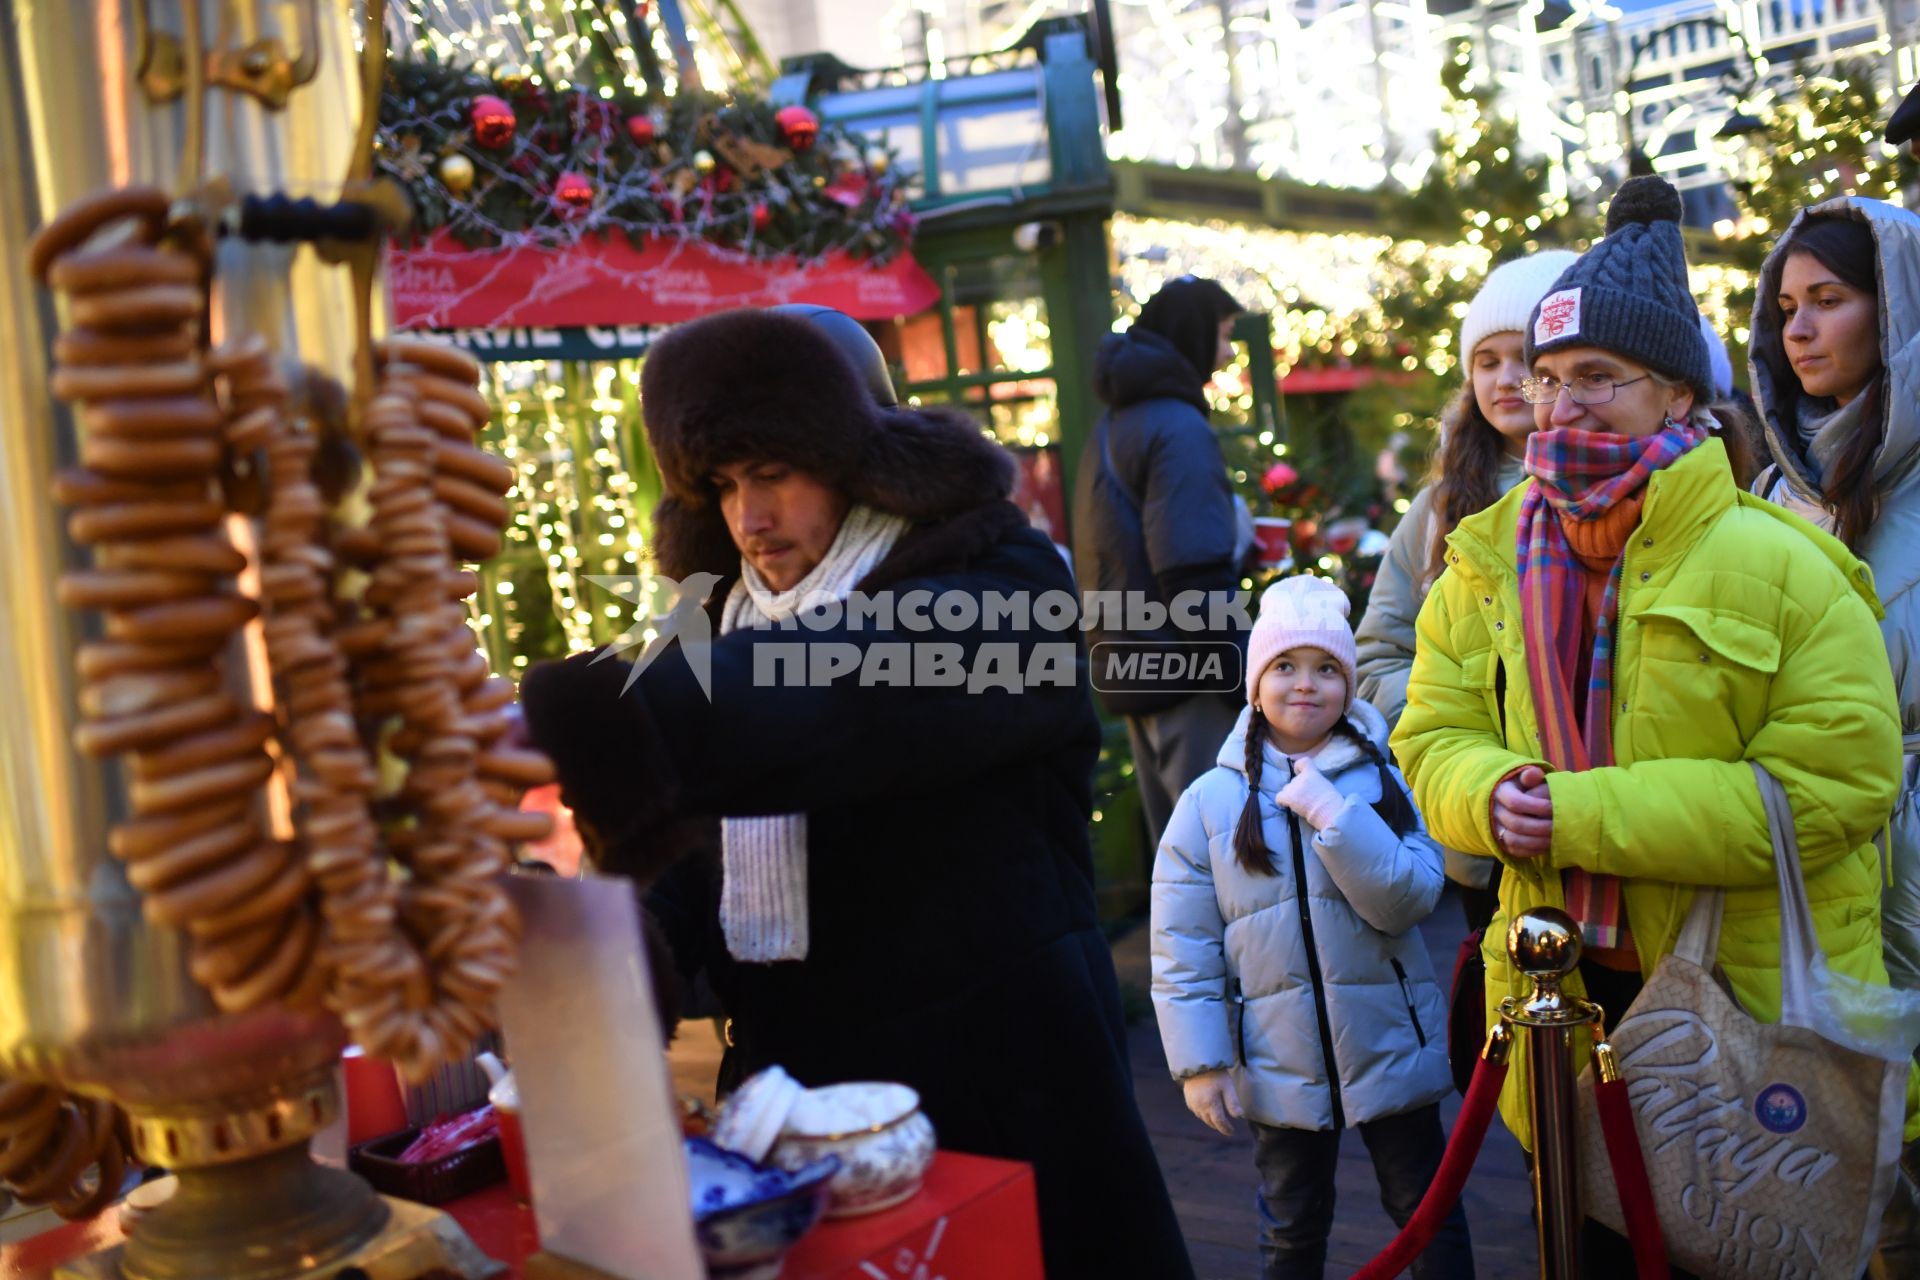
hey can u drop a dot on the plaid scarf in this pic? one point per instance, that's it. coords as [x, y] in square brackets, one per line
[1578, 476]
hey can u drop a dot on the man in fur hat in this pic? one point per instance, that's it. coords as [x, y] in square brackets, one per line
[904, 889]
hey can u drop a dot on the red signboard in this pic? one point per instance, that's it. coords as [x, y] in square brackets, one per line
[605, 281]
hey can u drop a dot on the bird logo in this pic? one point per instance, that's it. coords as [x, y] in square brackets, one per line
[684, 619]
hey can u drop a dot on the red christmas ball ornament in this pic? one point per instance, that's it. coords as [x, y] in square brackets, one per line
[798, 126]
[641, 129]
[762, 217]
[493, 122]
[572, 195]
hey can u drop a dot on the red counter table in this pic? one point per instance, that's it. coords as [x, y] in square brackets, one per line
[975, 1218]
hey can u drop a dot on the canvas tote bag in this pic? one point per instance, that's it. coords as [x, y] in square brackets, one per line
[1771, 1147]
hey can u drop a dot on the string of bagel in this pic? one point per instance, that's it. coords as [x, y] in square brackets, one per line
[333, 842]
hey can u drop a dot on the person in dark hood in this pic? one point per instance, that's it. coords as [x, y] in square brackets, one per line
[1154, 517]
[903, 888]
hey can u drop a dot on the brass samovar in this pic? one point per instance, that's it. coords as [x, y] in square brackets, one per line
[108, 93]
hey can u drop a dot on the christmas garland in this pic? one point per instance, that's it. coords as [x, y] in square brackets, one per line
[511, 161]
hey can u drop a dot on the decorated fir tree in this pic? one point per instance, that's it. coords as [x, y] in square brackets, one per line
[1483, 190]
[1820, 143]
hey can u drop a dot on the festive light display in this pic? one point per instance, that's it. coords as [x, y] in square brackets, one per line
[583, 489]
[1823, 142]
[616, 47]
[543, 121]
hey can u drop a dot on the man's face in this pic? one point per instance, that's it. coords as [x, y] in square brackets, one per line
[782, 520]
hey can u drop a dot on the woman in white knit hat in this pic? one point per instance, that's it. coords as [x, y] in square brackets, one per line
[1289, 980]
[1483, 444]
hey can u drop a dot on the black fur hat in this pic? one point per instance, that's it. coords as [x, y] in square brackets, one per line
[769, 386]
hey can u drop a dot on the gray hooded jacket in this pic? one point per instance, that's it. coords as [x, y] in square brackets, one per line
[1892, 548]
[1325, 1005]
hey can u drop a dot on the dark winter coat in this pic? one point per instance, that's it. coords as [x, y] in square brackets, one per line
[1152, 509]
[954, 944]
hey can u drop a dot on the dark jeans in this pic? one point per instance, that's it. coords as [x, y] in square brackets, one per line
[1170, 749]
[1296, 1193]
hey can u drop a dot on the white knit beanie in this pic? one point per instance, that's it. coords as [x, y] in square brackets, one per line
[1508, 297]
[1301, 610]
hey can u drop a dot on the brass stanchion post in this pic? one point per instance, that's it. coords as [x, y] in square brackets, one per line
[1544, 944]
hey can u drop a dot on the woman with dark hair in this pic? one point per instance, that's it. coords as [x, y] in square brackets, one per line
[1483, 444]
[1836, 328]
[1154, 518]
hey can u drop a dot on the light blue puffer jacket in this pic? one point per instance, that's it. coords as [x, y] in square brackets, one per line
[1235, 982]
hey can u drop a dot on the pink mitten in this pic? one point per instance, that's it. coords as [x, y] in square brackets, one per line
[1310, 795]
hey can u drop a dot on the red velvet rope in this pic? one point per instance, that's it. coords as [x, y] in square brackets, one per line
[1630, 1180]
[1469, 1131]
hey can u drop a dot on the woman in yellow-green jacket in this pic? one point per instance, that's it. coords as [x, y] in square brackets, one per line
[1612, 640]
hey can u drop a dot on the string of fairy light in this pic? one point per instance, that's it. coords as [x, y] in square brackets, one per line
[543, 39]
[583, 484]
[579, 501]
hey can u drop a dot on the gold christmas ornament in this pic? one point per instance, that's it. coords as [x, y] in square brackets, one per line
[703, 163]
[456, 174]
[878, 160]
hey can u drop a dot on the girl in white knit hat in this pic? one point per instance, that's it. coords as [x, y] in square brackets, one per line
[1290, 982]
[1483, 443]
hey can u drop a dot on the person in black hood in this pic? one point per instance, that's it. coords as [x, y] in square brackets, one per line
[1154, 519]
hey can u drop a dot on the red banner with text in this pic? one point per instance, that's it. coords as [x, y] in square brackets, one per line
[606, 281]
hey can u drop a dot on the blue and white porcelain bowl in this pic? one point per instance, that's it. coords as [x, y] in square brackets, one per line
[747, 1215]
[883, 1140]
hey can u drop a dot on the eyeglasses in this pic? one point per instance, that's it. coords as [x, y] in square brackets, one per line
[1588, 388]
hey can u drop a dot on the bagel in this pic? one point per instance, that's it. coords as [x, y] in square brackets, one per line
[94, 382]
[470, 463]
[121, 267]
[144, 306]
[193, 857]
[153, 417]
[471, 500]
[472, 539]
[103, 659]
[527, 768]
[86, 347]
[496, 692]
[153, 727]
[115, 588]
[205, 785]
[176, 620]
[237, 881]
[138, 691]
[143, 838]
[276, 974]
[76, 487]
[80, 220]
[118, 521]
[215, 961]
[439, 358]
[288, 883]
[519, 825]
[168, 458]
[202, 554]
[212, 746]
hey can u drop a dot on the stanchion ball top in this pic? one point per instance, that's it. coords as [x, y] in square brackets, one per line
[1544, 942]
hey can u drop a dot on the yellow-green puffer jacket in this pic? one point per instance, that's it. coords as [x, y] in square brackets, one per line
[1744, 634]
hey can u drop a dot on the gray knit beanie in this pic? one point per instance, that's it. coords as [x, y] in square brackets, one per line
[1628, 294]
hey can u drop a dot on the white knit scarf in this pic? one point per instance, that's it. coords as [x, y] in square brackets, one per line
[763, 891]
